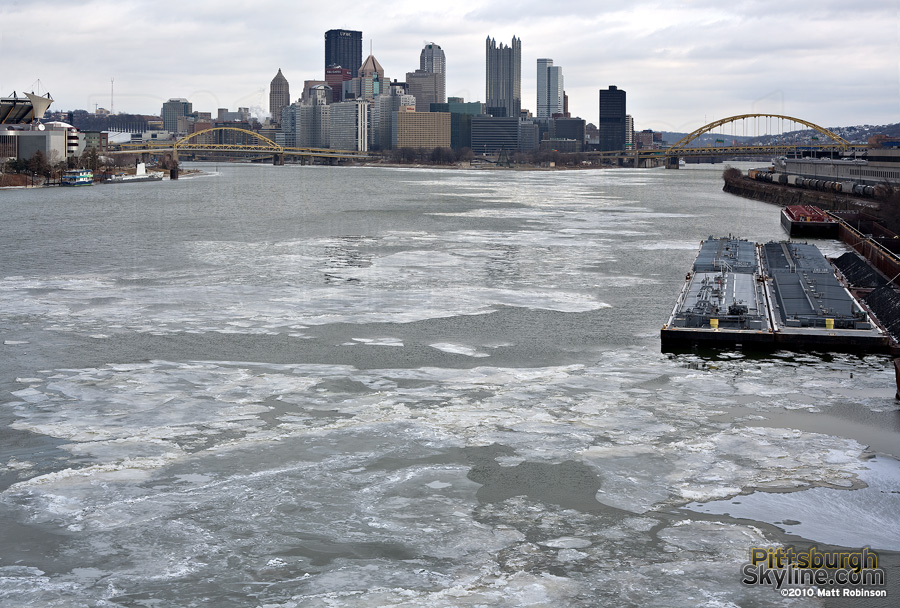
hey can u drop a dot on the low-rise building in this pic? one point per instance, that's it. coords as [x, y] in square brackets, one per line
[491, 134]
[421, 130]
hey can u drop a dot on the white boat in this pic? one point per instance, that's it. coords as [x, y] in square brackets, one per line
[140, 175]
[77, 177]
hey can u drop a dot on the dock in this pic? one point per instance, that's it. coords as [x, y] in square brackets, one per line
[767, 297]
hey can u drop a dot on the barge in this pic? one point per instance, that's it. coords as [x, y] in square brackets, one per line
[767, 297]
[808, 221]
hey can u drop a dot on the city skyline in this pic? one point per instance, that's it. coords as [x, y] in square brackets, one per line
[683, 65]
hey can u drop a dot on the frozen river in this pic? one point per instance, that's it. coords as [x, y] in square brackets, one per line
[308, 386]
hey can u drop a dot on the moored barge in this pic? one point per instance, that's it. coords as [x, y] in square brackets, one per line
[808, 221]
[766, 297]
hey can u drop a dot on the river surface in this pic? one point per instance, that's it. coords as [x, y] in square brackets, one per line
[312, 386]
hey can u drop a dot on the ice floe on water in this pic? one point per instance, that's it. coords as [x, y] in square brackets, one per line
[383, 341]
[828, 515]
[651, 448]
[459, 349]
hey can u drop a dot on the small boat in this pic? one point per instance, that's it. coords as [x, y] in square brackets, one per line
[77, 177]
[140, 175]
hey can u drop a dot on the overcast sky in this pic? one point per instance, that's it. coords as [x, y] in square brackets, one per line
[682, 63]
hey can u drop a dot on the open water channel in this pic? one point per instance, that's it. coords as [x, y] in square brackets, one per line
[309, 386]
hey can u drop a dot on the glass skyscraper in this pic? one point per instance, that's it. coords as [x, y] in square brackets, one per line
[503, 78]
[550, 94]
[343, 48]
[612, 119]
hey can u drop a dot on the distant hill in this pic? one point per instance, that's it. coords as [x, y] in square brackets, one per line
[857, 134]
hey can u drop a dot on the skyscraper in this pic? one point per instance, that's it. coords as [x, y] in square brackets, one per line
[370, 82]
[335, 78]
[279, 96]
[550, 95]
[425, 87]
[343, 48]
[173, 114]
[503, 78]
[612, 119]
[433, 61]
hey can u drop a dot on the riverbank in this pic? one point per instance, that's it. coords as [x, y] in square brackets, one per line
[784, 195]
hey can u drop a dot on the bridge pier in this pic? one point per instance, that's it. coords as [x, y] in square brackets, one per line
[278, 160]
[672, 162]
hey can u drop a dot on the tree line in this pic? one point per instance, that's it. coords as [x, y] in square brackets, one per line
[39, 165]
[449, 156]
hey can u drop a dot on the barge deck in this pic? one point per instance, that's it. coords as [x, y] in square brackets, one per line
[767, 297]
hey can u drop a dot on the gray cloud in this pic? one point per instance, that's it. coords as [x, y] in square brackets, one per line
[832, 62]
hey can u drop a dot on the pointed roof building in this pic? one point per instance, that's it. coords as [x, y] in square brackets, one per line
[370, 67]
[279, 96]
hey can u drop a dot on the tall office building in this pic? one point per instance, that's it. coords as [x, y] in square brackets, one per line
[433, 61]
[350, 125]
[550, 94]
[503, 78]
[279, 96]
[370, 81]
[343, 48]
[420, 130]
[173, 114]
[426, 87]
[335, 78]
[385, 109]
[612, 124]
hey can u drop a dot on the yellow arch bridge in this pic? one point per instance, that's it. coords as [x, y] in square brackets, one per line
[823, 140]
[232, 141]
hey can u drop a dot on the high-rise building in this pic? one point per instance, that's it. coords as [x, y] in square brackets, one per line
[550, 94]
[311, 89]
[612, 123]
[314, 128]
[307, 125]
[425, 87]
[279, 96]
[461, 114]
[433, 61]
[503, 78]
[491, 134]
[173, 114]
[385, 109]
[350, 125]
[343, 48]
[568, 129]
[370, 81]
[629, 131]
[335, 78]
[420, 130]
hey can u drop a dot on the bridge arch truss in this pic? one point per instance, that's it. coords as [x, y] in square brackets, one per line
[227, 139]
[681, 146]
